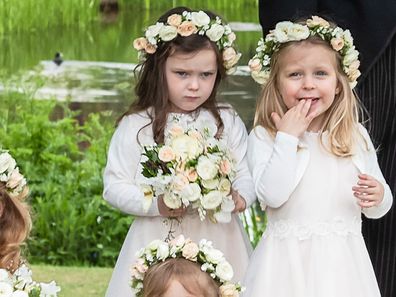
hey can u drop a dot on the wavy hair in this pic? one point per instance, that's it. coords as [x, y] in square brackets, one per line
[15, 226]
[151, 88]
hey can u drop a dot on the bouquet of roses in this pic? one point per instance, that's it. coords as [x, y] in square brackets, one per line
[192, 167]
[20, 284]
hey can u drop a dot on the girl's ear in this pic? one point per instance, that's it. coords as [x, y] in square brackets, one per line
[338, 88]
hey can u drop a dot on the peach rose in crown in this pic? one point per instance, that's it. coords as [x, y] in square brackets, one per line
[150, 49]
[140, 43]
[317, 21]
[337, 43]
[174, 20]
[255, 65]
[190, 251]
[228, 290]
[15, 179]
[186, 28]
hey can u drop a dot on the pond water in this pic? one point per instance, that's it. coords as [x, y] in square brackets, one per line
[97, 72]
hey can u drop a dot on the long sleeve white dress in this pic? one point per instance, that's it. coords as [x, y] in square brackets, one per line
[121, 176]
[313, 245]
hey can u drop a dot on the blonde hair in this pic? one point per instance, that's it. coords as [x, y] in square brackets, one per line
[189, 274]
[15, 226]
[341, 119]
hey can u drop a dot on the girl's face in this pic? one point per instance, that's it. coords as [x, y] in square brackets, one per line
[190, 78]
[308, 71]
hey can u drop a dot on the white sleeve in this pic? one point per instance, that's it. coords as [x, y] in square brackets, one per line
[374, 170]
[120, 188]
[273, 164]
[243, 182]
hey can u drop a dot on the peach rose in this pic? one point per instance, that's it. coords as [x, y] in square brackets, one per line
[231, 37]
[15, 179]
[186, 28]
[190, 251]
[337, 43]
[255, 65]
[140, 43]
[317, 21]
[225, 166]
[150, 49]
[174, 20]
[179, 182]
[192, 175]
[176, 130]
[228, 290]
[354, 65]
[166, 154]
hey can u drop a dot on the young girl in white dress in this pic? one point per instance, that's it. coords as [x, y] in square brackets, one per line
[185, 56]
[314, 166]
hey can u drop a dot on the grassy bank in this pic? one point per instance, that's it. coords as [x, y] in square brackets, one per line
[75, 281]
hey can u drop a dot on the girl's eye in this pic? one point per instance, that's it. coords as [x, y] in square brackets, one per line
[207, 74]
[321, 73]
[181, 73]
[295, 74]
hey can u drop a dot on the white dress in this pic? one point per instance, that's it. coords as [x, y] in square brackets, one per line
[313, 246]
[120, 189]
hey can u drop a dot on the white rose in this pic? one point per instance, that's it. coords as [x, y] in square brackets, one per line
[351, 55]
[224, 271]
[200, 18]
[215, 32]
[261, 77]
[228, 204]
[171, 200]
[206, 169]
[186, 147]
[224, 186]
[153, 245]
[281, 31]
[5, 289]
[162, 251]
[153, 30]
[6, 162]
[298, 32]
[49, 290]
[214, 255]
[347, 37]
[167, 33]
[210, 184]
[19, 293]
[222, 217]
[211, 200]
[192, 192]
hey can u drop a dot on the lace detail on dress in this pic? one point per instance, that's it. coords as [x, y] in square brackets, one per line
[337, 226]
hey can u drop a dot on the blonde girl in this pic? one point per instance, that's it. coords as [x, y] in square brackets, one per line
[314, 166]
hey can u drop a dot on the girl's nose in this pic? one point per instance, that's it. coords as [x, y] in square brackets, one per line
[193, 83]
[308, 82]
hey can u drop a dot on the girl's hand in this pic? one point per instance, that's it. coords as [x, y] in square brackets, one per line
[240, 202]
[165, 211]
[296, 120]
[368, 191]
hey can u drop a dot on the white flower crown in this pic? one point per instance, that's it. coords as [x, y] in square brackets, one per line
[340, 40]
[211, 260]
[9, 174]
[186, 24]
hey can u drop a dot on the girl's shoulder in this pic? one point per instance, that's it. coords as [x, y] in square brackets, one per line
[137, 119]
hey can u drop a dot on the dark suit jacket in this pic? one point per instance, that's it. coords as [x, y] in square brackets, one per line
[371, 22]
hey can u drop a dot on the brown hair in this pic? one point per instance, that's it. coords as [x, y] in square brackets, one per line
[158, 278]
[342, 117]
[151, 88]
[15, 226]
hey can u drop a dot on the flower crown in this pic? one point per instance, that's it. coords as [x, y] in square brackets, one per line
[186, 24]
[340, 40]
[9, 174]
[210, 259]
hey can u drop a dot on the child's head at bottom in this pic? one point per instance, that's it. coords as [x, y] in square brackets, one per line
[178, 278]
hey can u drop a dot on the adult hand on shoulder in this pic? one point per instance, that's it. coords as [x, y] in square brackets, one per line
[368, 191]
[165, 211]
[240, 202]
[296, 120]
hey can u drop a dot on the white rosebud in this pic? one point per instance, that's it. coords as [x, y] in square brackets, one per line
[213, 255]
[350, 56]
[210, 183]
[211, 200]
[153, 30]
[224, 271]
[167, 33]
[206, 169]
[162, 251]
[200, 18]
[192, 192]
[215, 32]
[7, 162]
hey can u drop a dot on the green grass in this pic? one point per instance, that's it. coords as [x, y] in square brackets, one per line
[75, 281]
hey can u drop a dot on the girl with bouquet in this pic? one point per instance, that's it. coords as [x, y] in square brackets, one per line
[185, 55]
